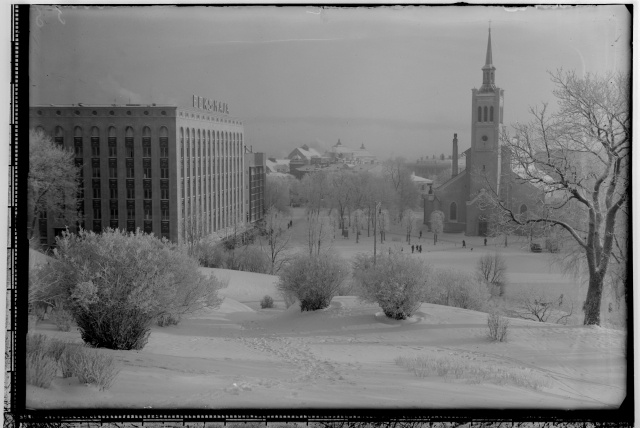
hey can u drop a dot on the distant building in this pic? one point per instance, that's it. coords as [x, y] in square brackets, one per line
[422, 184]
[153, 167]
[342, 153]
[304, 153]
[488, 166]
[362, 155]
[277, 165]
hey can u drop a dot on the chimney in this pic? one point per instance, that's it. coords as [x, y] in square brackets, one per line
[454, 156]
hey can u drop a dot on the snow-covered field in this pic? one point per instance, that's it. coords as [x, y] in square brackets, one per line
[345, 356]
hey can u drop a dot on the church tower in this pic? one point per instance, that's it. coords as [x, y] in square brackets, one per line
[486, 122]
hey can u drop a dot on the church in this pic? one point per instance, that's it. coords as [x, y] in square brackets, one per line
[488, 167]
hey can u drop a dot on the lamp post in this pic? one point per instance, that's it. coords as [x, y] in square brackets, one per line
[375, 230]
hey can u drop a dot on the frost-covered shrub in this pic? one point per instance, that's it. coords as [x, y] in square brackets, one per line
[210, 254]
[93, 367]
[492, 270]
[266, 302]
[461, 290]
[167, 319]
[41, 362]
[67, 360]
[397, 282]
[498, 326]
[62, 318]
[118, 283]
[41, 369]
[252, 259]
[36, 342]
[313, 280]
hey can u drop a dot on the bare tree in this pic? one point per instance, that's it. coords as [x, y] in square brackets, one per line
[409, 219]
[406, 193]
[579, 158]
[277, 193]
[384, 223]
[340, 193]
[276, 240]
[437, 224]
[537, 306]
[314, 188]
[319, 232]
[52, 182]
[491, 269]
[359, 218]
[192, 233]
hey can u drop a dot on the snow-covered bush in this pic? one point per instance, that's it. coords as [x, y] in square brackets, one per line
[313, 280]
[461, 290]
[397, 282]
[252, 259]
[62, 318]
[118, 283]
[93, 367]
[210, 254]
[498, 326]
[266, 302]
[41, 360]
[41, 368]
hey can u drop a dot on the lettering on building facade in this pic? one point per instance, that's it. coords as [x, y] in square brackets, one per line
[210, 105]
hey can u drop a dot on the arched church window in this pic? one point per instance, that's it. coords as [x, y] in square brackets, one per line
[485, 113]
[453, 212]
[479, 114]
[491, 114]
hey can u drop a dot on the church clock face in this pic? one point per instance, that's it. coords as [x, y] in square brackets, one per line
[485, 138]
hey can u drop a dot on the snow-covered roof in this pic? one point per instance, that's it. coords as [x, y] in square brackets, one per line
[417, 179]
[311, 153]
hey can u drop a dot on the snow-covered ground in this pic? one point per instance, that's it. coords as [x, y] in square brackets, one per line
[240, 355]
[344, 356]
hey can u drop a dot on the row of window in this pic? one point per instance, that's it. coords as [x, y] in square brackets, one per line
[131, 213]
[113, 150]
[131, 193]
[487, 116]
[129, 169]
[95, 113]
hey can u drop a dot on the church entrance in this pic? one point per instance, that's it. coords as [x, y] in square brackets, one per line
[482, 228]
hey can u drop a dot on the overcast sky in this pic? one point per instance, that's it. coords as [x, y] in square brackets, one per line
[398, 80]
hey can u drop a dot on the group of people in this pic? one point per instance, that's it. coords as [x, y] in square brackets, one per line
[290, 224]
[417, 248]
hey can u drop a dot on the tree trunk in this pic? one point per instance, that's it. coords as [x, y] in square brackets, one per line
[594, 298]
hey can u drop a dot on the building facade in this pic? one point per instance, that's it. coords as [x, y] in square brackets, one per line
[175, 171]
[488, 166]
[255, 178]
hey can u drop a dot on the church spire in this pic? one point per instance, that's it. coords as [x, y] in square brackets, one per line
[489, 60]
[488, 70]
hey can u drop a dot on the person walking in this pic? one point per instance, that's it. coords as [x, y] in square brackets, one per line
[412, 249]
[463, 244]
[420, 234]
[485, 242]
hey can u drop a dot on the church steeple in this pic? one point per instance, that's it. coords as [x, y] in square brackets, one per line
[488, 70]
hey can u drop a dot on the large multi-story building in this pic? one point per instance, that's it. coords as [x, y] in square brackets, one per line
[166, 169]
